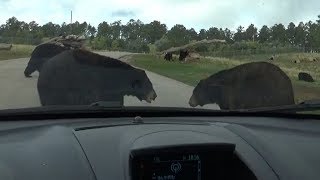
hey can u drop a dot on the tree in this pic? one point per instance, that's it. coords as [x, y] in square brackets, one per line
[50, 29]
[278, 33]
[12, 27]
[91, 31]
[115, 28]
[251, 33]
[192, 34]
[221, 33]
[136, 36]
[290, 32]
[300, 35]
[178, 35]
[132, 30]
[202, 34]
[214, 33]
[264, 34]
[23, 31]
[79, 28]
[115, 45]
[125, 32]
[104, 36]
[239, 35]
[154, 31]
[104, 30]
[137, 45]
[35, 34]
[228, 35]
[100, 43]
[163, 44]
[313, 36]
[65, 29]
[2, 29]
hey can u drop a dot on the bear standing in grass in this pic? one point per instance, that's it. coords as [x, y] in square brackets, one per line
[251, 85]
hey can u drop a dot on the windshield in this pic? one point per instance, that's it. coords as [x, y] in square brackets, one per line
[226, 55]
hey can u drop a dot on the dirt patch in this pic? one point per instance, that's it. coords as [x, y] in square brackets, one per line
[303, 93]
[126, 58]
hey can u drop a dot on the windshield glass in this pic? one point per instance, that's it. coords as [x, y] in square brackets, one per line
[228, 55]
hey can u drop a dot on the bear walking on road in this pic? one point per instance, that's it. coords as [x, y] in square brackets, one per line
[80, 77]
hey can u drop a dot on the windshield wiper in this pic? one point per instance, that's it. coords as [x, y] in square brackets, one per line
[310, 105]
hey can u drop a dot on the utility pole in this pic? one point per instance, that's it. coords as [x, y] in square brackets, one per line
[71, 22]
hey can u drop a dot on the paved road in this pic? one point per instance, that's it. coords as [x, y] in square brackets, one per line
[16, 91]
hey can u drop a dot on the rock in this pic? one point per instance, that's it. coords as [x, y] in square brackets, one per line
[71, 41]
[195, 55]
[271, 58]
[303, 76]
[4, 46]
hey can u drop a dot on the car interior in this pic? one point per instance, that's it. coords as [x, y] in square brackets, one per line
[156, 146]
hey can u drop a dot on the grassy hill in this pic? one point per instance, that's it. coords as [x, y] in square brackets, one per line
[17, 51]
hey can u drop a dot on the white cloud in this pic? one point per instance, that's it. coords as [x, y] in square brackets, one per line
[191, 13]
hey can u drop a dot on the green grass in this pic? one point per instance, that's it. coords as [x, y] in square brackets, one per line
[152, 48]
[187, 73]
[17, 51]
[190, 73]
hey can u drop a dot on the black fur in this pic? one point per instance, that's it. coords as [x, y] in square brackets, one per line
[78, 77]
[40, 55]
[250, 85]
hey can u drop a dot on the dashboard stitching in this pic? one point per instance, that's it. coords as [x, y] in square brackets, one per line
[93, 172]
[154, 132]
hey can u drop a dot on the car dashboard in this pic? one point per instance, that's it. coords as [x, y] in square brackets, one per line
[167, 148]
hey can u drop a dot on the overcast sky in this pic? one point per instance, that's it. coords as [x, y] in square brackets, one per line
[191, 13]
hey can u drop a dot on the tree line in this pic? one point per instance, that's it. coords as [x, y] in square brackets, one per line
[136, 36]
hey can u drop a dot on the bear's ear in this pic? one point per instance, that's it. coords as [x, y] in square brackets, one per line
[136, 84]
